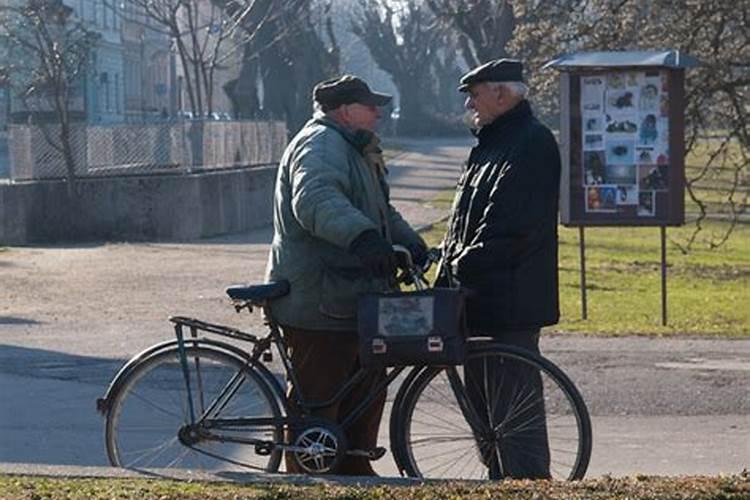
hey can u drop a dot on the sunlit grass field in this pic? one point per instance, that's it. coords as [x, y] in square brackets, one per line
[638, 487]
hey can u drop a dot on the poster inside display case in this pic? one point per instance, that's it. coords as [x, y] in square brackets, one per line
[622, 143]
[625, 146]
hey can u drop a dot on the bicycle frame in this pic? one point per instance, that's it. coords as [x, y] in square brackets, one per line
[209, 418]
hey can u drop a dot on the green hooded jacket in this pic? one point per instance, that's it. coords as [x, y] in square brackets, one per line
[330, 187]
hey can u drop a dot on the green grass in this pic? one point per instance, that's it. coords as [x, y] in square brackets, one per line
[640, 487]
[708, 290]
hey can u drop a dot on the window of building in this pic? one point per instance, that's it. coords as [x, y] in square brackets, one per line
[105, 83]
[117, 92]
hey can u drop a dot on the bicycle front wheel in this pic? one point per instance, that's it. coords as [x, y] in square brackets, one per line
[146, 421]
[505, 413]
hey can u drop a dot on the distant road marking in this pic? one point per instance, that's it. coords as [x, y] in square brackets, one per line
[708, 364]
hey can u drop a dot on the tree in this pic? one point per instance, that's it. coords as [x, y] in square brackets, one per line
[484, 27]
[206, 35]
[48, 52]
[405, 41]
[289, 54]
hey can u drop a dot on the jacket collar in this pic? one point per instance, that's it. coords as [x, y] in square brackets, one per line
[517, 114]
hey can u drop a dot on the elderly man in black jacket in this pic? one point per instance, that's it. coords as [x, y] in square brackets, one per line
[501, 244]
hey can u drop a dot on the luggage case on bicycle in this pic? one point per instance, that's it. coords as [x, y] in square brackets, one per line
[412, 328]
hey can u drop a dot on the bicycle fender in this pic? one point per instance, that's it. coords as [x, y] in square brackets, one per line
[102, 404]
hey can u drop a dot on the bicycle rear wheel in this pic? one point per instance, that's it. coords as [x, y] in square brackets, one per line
[151, 407]
[483, 422]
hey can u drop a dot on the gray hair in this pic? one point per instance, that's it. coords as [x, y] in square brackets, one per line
[517, 89]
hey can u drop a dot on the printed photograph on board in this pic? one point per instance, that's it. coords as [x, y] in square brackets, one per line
[620, 151]
[593, 123]
[649, 99]
[593, 141]
[592, 94]
[627, 195]
[593, 167]
[648, 133]
[620, 174]
[645, 156]
[653, 177]
[626, 125]
[601, 199]
[646, 203]
[621, 101]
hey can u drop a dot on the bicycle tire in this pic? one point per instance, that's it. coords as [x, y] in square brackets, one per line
[435, 440]
[150, 407]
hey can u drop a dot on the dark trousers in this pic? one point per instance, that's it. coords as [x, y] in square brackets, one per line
[509, 398]
[323, 362]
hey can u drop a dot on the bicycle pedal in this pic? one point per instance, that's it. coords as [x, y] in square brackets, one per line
[264, 449]
[372, 454]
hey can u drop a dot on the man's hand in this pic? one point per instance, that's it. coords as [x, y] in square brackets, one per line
[376, 254]
[418, 253]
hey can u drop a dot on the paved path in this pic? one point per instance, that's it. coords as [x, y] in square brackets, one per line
[70, 316]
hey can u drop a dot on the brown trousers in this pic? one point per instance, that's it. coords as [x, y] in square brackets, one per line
[323, 362]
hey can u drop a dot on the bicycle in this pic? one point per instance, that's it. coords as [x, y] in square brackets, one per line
[199, 402]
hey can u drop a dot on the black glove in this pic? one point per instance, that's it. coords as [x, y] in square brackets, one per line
[418, 253]
[376, 254]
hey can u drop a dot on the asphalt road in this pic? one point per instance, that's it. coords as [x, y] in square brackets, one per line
[70, 315]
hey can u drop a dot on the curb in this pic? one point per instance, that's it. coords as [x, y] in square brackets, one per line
[233, 477]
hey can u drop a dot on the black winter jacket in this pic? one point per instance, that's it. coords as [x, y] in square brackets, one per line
[502, 236]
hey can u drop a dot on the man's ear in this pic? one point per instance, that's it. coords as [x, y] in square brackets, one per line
[502, 95]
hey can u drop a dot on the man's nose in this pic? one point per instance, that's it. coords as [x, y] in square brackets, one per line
[469, 103]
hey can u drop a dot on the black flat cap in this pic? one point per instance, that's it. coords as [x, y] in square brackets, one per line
[499, 70]
[347, 89]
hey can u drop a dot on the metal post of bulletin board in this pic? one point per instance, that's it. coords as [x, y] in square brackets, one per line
[582, 248]
[663, 275]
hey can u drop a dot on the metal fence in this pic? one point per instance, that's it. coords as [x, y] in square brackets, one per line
[125, 149]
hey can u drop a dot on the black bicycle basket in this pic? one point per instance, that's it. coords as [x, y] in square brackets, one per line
[412, 328]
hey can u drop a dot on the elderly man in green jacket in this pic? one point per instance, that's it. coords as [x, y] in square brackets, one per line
[334, 228]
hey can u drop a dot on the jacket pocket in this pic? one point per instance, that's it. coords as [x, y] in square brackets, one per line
[340, 291]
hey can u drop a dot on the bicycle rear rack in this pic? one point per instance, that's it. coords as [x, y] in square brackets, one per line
[197, 325]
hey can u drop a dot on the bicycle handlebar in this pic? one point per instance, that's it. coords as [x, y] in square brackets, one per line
[413, 272]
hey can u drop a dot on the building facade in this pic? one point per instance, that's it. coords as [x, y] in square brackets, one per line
[103, 86]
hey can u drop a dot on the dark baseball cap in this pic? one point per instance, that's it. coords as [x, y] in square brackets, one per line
[498, 70]
[347, 89]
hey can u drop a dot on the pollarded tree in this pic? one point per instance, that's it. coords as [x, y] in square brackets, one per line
[484, 27]
[300, 51]
[47, 56]
[404, 40]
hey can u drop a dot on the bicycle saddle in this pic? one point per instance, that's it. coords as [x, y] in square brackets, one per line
[258, 293]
